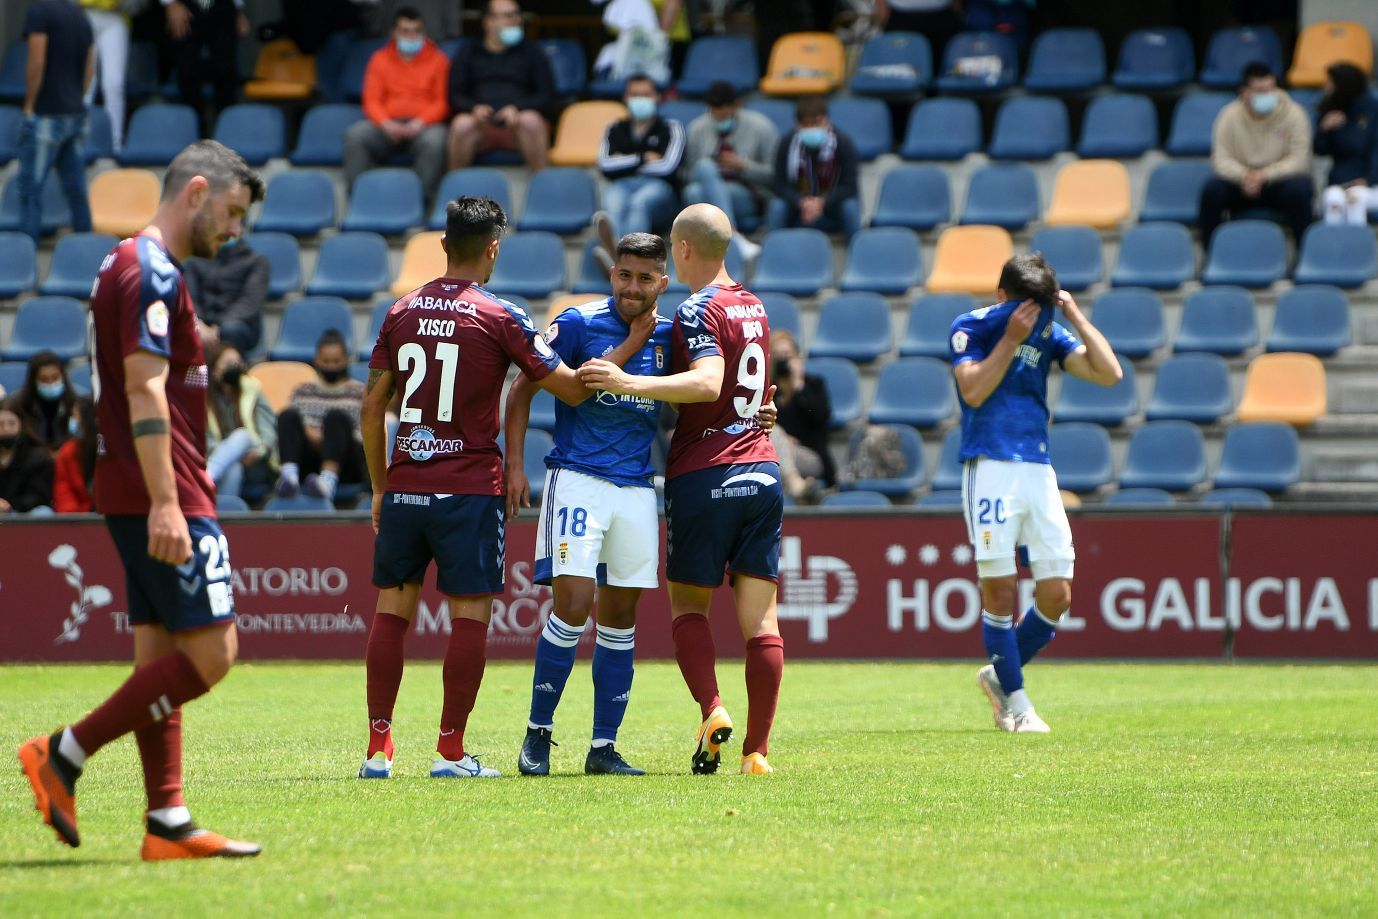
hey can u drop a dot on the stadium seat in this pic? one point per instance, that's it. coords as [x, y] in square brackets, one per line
[376, 315]
[1192, 120]
[320, 141]
[979, 62]
[1173, 192]
[299, 504]
[796, 261]
[79, 377]
[805, 64]
[866, 122]
[844, 388]
[1344, 256]
[1311, 319]
[55, 213]
[1080, 454]
[18, 263]
[916, 391]
[1284, 387]
[1324, 43]
[779, 111]
[580, 131]
[299, 201]
[1247, 253]
[100, 139]
[1230, 49]
[11, 118]
[303, 321]
[157, 133]
[1191, 387]
[284, 261]
[1236, 497]
[1073, 252]
[886, 260]
[1080, 400]
[55, 324]
[943, 499]
[782, 312]
[1004, 196]
[968, 260]
[350, 265]
[256, 131]
[930, 323]
[916, 197]
[355, 65]
[1160, 256]
[568, 65]
[853, 326]
[543, 411]
[1155, 59]
[538, 445]
[282, 74]
[1118, 126]
[1030, 128]
[386, 201]
[1140, 497]
[592, 279]
[529, 264]
[123, 201]
[479, 181]
[12, 376]
[942, 129]
[1170, 455]
[12, 67]
[1220, 320]
[948, 474]
[729, 58]
[682, 110]
[280, 378]
[76, 259]
[423, 260]
[1066, 60]
[1131, 319]
[1265, 455]
[854, 499]
[559, 201]
[1090, 192]
[230, 504]
[893, 64]
[902, 485]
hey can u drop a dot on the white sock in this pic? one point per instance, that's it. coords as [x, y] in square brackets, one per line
[71, 750]
[1019, 702]
[533, 725]
[328, 481]
[290, 473]
[171, 816]
[601, 742]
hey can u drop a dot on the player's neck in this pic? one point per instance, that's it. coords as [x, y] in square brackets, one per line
[467, 273]
[178, 244]
[716, 276]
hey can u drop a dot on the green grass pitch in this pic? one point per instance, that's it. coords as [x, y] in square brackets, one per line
[1164, 790]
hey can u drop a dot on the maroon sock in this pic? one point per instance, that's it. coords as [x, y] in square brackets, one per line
[383, 662]
[765, 664]
[463, 672]
[150, 694]
[697, 658]
[160, 753]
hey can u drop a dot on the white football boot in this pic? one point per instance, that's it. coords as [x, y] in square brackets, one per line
[999, 702]
[466, 768]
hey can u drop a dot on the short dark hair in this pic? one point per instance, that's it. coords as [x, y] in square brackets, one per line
[643, 245]
[1256, 70]
[407, 12]
[639, 77]
[332, 337]
[471, 223]
[1029, 277]
[217, 163]
[810, 107]
[720, 93]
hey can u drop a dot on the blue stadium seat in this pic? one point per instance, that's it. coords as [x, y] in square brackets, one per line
[303, 322]
[1219, 319]
[730, 58]
[948, 475]
[376, 315]
[100, 138]
[299, 504]
[930, 323]
[1131, 319]
[157, 133]
[1005, 196]
[855, 499]
[592, 278]
[320, 141]
[682, 110]
[230, 504]
[356, 64]
[12, 67]
[1066, 60]
[1155, 59]
[1236, 497]
[55, 324]
[1170, 455]
[1191, 387]
[853, 326]
[779, 111]
[538, 444]
[1160, 256]
[1140, 497]
[893, 64]
[1030, 128]
[942, 129]
[12, 376]
[1080, 453]
[543, 411]
[1344, 256]
[11, 118]
[903, 484]
[866, 122]
[912, 196]
[944, 498]
[18, 263]
[1080, 400]
[1174, 192]
[971, 46]
[55, 213]
[916, 391]
[1074, 253]
[844, 388]
[782, 312]
[795, 261]
[1311, 319]
[529, 265]
[567, 64]
[299, 201]
[478, 180]
[387, 201]
[1230, 49]
[1264, 454]
[1249, 253]
[76, 259]
[560, 200]
[350, 265]
[1192, 120]
[255, 130]
[284, 261]
[1118, 126]
[886, 260]
[79, 376]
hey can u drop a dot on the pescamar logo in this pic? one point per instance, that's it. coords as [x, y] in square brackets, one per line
[805, 590]
[422, 444]
[64, 558]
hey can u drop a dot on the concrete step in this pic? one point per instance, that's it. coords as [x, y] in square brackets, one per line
[1331, 493]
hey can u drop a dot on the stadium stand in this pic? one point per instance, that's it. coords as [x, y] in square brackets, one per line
[681, 110]
[299, 504]
[979, 62]
[591, 278]
[1312, 319]
[300, 202]
[530, 264]
[942, 129]
[320, 139]
[930, 323]
[735, 267]
[1230, 49]
[1090, 192]
[123, 201]
[350, 265]
[157, 133]
[1173, 192]
[887, 260]
[303, 321]
[76, 259]
[1284, 387]
[1155, 59]
[914, 391]
[282, 73]
[1236, 497]
[386, 201]
[1030, 128]
[947, 475]
[10, 120]
[1263, 455]
[1217, 319]
[1192, 119]
[1170, 455]
[1066, 61]
[1004, 195]
[1140, 497]
[1160, 256]
[477, 180]
[1339, 255]
[782, 312]
[1118, 126]
[1079, 400]
[779, 111]
[892, 64]
[904, 484]
[12, 68]
[1080, 454]
[804, 64]
[1191, 387]
[355, 64]
[913, 196]
[568, 66]
[12, 375]
[1131, 319]
[1073, 252]
[854, 326]
[55, 213]
[1321, 44]
[538, 444]
[712, 58]
[796, 261]
[866, 122]
[100, 138]
[18, 263]
[1246, 253]
[852, 499]
[543, 411]
[579, 133]
[559, 201]
[377, 313]
[844, 388]
[256, 131]
[284, 261]
[230, 504]
[56, 324]
[940, 499]
[968, 260]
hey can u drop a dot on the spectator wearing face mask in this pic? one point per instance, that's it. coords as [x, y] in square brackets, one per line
[318, 433]
[74, 468]
[229, 292]
[1348, 134]
[241, 428]
[640, 157]
[815, 175]
[26, 469]
[46, 400]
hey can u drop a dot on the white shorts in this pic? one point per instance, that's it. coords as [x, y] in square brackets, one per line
[1008, 505]
[591, 528]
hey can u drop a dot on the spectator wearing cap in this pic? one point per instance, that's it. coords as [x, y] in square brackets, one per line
[729, 159]
[815, 175]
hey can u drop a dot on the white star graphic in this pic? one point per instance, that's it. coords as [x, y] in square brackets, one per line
[961, 555]
[896, 555]
[929, 555]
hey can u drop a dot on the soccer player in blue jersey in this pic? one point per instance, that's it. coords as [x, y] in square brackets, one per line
[1001, 356]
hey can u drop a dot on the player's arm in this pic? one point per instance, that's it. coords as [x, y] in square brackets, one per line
[702, 382]
[33, 71]
[145, 387]
[514, 426]
[373, 426]
[977, 379]
[567, 385]
[1095, 360]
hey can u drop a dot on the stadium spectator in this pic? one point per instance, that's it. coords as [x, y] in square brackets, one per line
[110, 30]
[205, 48]
[229, 291]
[1348, 134]
[45, 401]
[74, 468]
[937, 20]
[241, 428]
[62, 61]
[1261, 153]
[502, 91]
[640, 157]
[805, 412]
[815, 175]
[26, 469]
[404, 99]
[729, 159]
[318, 433]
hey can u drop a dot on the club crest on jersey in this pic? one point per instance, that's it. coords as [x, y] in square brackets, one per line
[421, 444]
[660, 357]
[157, 318]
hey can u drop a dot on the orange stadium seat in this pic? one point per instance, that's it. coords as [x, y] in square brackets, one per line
[1090, 193]
[580, 132]
[280, 378]
[969, 259]
[805, 64]
[563, 302]
[423, 260]
[1324, 43]
[1284, 386]
[282, 73]
[123, 201]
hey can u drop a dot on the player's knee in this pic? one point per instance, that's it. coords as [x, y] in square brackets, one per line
[999, 595]
[1054, 597]
[213, 659]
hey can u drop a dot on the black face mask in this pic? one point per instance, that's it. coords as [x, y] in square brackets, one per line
[333, 376]
[9, 442]
[230, 375]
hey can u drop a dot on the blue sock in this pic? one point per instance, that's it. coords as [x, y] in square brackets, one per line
[1034, 632]
[1002, 650]
[555, 651]
[612, 681]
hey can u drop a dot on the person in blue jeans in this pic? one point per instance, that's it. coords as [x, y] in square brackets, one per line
[640, 157]
[62, 61]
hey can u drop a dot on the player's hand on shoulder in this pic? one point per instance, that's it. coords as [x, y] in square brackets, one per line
[518, 491]
[600, 374]
[766, 416]
[1022, 321]
[169, 540]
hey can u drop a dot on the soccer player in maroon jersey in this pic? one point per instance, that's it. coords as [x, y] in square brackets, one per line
[723, 499]
[149, 379]
[447, 345]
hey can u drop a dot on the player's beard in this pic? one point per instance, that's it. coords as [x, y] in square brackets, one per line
[205, 236]
[630, 309]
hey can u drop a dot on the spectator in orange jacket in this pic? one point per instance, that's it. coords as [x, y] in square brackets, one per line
[406, 100]
[76, 462]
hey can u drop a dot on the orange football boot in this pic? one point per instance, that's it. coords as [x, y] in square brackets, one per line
[191, 841]
[53, 797]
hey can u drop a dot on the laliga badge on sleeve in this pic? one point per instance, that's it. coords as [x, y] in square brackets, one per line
[157, 319]
[959, 341]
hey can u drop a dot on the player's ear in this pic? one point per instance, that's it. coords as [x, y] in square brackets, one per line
[1000, 294]
[198, 190]
[444, 248]
[664, 283]
[493, 248]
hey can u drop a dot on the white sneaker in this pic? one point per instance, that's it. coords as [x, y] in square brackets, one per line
[378, 766]
[466, 768]
[1028, 722]
[999, 702]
